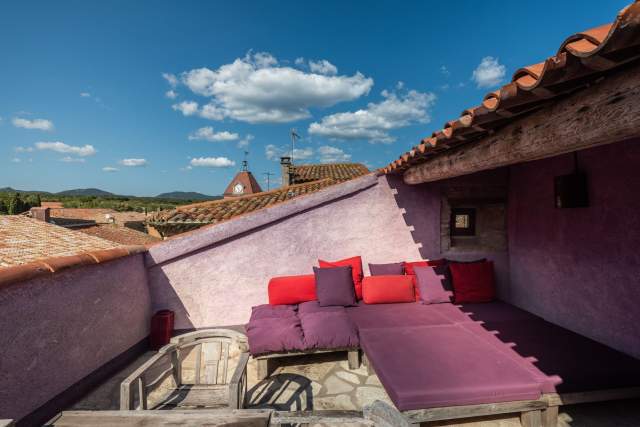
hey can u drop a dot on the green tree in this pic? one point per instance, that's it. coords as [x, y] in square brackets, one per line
[3, 207]
[14, 204]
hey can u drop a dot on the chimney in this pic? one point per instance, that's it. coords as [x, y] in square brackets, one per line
[41, 214]
[285, 167]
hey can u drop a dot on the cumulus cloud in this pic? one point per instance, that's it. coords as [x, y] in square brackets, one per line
[133, 163]
[212, 162]
[110, 169]
[39, 124]
[207, 134]
[171, 79]
[61, 147]
[244, 142]
[323, 67]
[258, 89]
[273, 152]
[69, 159]
[489, 73]
[171, 94]
[329, 154]
[376, 121]
[187, 108]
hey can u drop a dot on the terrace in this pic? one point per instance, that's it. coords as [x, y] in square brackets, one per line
[76, 326]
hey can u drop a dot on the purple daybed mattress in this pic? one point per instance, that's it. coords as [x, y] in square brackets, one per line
[445, 365]
[304, 327]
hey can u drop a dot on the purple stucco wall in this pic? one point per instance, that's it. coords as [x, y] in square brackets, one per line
[58, 329]
[580, 268]
[218, 285]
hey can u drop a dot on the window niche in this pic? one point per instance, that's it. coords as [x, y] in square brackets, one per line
[473, 224]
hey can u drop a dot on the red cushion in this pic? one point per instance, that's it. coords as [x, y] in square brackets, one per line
[356, 270]
[387, 289]
[473, 282]
[292, 289]
[408, 270]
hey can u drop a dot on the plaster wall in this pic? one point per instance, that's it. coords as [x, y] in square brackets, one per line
[580, 268]
[218, 285]
[57, 329]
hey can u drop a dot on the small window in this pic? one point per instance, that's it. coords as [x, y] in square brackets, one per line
[463, 222]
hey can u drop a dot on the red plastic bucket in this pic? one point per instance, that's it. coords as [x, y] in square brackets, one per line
[161, 328]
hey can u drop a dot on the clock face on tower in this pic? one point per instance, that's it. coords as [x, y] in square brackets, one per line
[238, 189]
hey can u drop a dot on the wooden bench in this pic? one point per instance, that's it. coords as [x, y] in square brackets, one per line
[265, 365]
[211, 386]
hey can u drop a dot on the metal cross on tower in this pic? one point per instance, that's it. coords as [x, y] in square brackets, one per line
[245, 163]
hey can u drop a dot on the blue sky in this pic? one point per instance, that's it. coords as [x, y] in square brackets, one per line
[147, 97]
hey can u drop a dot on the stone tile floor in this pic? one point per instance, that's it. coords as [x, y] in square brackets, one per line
[325, 382]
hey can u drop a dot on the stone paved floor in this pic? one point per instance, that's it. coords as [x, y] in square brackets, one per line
[325, 382]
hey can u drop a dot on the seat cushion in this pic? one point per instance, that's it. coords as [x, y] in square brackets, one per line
[371, 316]
[446, 365]
[326, 328]
[274, 330]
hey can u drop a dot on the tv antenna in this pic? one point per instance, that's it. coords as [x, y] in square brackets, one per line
[294, 136]
[268, 175]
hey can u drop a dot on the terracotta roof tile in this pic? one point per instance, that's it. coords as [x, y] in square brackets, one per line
[190, 217]
[118, 234]
[24, 240]
[581, 59]
[337, 171]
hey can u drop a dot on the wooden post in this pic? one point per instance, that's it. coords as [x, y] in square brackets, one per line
[353, 356]
[263, 369]
[531, 419]
[550, 417]
[605, 112]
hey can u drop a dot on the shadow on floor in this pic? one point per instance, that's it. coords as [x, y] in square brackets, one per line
[282, 392]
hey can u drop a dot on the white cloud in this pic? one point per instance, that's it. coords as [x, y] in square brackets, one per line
[15, 160]
[212, 162]
[69, 159]
[444, 70]
[207, 134]
[329, 154]
[489, 73]
[171, 94]
[299, 61]
[323, 67]
[40, 124]
[244, 142]
[85, 94]
[23, 149]
[171, 79]
[258, 89]
[187, 108]
[110, 169]
[61, 147]
[376, 121]
[134, 163]
[274, 152]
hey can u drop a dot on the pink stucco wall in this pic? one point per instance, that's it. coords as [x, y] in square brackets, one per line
[58, 329]
[218, 285]
[580, 268]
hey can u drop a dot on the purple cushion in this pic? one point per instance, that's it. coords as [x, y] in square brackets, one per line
[274, 329]
[434, 366]
[327, 327]
[396, 315]
[430, 285]
[334, 286]
[394, 269]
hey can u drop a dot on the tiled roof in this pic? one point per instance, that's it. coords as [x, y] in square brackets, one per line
[190, 217]
[338, 171]
[247, 180]
[24, 240]
[581, 59]
[97, 214]
[118, 234]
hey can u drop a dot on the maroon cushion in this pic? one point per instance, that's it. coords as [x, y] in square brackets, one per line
[393, 269]
[334, 286]
[431, 286]
[453, 368]
[473, 282]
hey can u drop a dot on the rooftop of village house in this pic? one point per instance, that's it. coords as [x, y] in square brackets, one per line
[212, 276]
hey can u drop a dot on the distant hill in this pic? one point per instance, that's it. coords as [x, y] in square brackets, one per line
[85, 192]
[13, 190]
[186, 195]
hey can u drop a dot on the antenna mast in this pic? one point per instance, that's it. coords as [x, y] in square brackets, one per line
[268, 175]
[294, 136]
